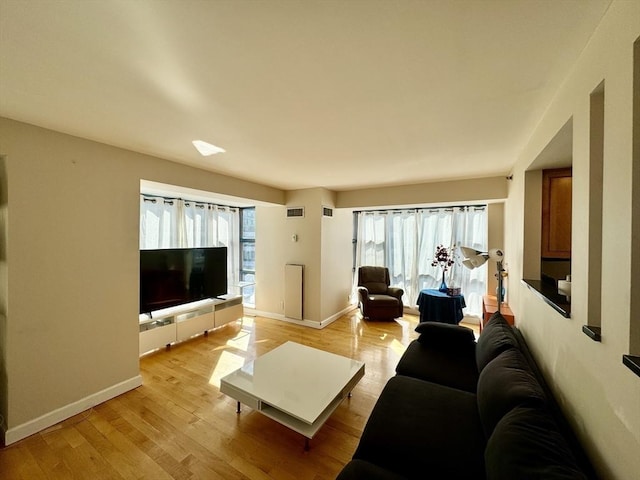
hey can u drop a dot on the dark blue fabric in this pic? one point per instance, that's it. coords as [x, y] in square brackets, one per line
[436, 306]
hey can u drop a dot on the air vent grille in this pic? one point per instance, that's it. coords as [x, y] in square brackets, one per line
[294, 212]
[327, 212]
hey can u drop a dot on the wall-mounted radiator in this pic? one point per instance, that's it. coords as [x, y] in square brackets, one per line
[293, 291]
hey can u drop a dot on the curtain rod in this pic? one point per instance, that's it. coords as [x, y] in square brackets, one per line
[150, 197]
[416, 209]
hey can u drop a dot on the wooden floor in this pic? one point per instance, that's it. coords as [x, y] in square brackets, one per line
[178, 424]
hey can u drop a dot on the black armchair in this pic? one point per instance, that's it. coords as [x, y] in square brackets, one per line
[378, 301]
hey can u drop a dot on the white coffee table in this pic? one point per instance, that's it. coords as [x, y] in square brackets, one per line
[295, 385]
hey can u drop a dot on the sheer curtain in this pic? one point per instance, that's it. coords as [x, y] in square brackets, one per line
[178, 223]
[159, 223]
[405, 241]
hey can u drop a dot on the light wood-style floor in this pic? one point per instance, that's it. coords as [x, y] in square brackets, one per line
[178, 425]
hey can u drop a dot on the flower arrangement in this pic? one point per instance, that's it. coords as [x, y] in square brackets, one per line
[444, 257]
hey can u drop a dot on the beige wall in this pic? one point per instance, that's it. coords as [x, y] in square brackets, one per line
[495, 239]
[337, 259]
[272, 253]
[69, 268]
[323, 246]
[600, 395]
[438, 193]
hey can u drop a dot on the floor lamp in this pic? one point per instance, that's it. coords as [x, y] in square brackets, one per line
[475, 258]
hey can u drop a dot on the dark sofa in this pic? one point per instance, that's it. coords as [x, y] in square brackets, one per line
[461, 409]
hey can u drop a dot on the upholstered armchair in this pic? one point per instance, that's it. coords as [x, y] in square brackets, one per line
[378, 301]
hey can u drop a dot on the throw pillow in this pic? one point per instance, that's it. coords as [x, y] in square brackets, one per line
[505, 383]
[526, 444]
[496, 337]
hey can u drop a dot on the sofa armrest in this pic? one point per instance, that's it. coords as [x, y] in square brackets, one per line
[363, 292]
[362, 470]
[396, 292]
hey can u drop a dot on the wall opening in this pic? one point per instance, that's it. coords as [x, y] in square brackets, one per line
[594, 261]
[633, 360]
[548, 221]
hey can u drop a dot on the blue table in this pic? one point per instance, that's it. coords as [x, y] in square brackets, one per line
[436, 306]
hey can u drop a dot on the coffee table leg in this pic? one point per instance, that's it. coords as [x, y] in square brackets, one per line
[238, 408]
[306, 444]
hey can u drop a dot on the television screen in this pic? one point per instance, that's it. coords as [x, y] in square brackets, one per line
[170, 277]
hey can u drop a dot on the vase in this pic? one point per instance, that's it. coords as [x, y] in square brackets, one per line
[443, 285]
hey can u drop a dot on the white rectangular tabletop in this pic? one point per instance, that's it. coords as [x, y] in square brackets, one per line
[294, 384]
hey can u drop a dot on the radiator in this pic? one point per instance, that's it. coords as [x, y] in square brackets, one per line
[293, 291]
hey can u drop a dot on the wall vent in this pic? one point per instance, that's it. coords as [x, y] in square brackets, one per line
[327, 212]
[293, 212]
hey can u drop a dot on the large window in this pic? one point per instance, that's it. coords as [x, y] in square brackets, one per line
[179, 223]
[405, 241]
[248, 255]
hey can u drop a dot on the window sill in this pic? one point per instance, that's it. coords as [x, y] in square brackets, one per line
[594, 333]
[550, 295]
[633, 362]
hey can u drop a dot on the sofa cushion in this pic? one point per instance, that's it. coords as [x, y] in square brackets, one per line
[526, 444]
[360, 469]
[444, 335]
[384, 300]
[377, 287]
[418, 428]
[453, 366]
[496, 337]
[505, 383]
[554, 409]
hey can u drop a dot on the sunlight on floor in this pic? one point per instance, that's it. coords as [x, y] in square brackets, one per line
[227, 363]
[241, 341]
[230, 361]
[397, 347]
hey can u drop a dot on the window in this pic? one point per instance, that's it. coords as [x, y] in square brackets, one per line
[178, 223]
[405, 241]
[248, 255]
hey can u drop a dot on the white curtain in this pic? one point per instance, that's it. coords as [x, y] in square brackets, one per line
[159, 223]
[405, 241]
[177, 223]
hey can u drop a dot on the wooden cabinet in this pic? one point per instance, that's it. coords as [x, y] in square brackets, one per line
[182, 322]
[228, 311]
[490, 306]
[556, 213]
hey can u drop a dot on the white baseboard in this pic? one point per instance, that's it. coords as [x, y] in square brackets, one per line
[333, 318]
[36, 425]
[307, 323]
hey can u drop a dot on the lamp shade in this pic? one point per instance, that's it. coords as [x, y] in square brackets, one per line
[496, 254]
[468, 252]
[475, 258]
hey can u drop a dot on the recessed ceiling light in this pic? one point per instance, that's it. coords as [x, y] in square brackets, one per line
[207, 149]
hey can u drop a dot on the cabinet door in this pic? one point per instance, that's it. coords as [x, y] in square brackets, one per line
[556, 213]
[228, 314]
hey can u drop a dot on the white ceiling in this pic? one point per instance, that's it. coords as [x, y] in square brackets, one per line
[334, 94]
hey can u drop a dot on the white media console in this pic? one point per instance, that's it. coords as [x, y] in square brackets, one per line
[175, 324]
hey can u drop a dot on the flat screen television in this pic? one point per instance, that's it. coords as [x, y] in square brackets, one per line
[174, 276]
